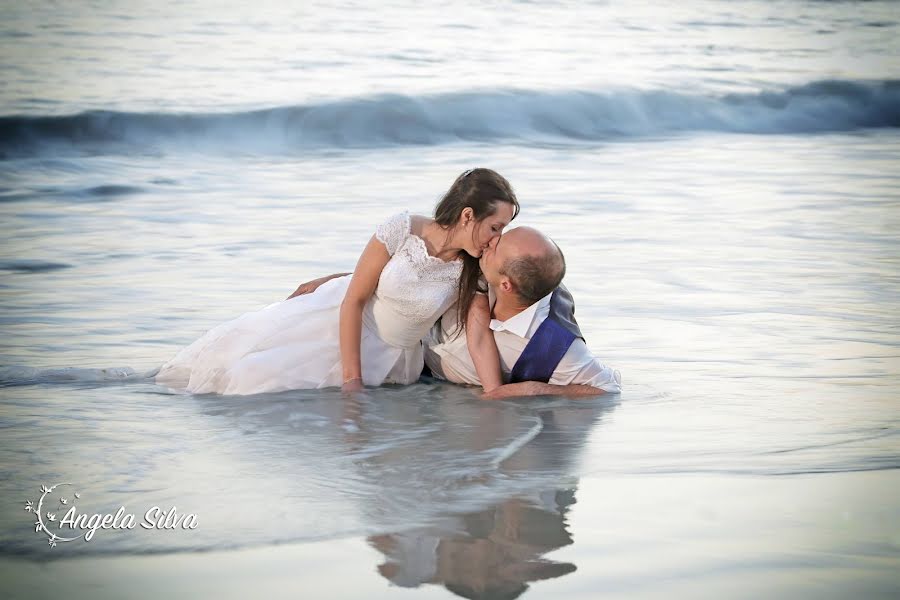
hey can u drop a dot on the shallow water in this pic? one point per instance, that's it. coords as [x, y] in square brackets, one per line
[736, 258]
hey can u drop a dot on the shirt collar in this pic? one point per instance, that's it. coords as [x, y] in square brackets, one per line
[519, 324]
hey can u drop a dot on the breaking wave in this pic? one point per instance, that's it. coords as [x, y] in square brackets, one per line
[509, 116]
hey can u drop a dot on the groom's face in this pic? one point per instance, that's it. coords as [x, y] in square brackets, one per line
[495, 256]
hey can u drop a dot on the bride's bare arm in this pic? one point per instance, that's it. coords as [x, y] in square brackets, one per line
[362, 286]
[310, 286]
[481, 344]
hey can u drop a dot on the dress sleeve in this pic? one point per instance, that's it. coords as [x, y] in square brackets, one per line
[393, 232]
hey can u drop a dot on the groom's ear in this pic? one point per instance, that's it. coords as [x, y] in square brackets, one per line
[507, 285]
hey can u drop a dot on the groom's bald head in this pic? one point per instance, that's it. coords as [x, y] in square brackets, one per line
[529, 260]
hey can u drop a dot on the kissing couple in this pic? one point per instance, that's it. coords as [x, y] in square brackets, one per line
[450, 295]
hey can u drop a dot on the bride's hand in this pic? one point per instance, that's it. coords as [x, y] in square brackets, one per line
[310, 286]
[353, 385]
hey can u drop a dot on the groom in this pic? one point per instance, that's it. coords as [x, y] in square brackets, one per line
[542, 351]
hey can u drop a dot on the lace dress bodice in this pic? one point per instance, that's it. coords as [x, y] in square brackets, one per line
[414, 289]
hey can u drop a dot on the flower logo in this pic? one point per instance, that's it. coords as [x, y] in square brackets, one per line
[40, 526]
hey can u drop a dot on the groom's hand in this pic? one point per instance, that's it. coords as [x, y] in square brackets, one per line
[310, 286]
[536, 388]
[511, 390]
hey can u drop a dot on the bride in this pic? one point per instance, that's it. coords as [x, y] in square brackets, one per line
[363, 328]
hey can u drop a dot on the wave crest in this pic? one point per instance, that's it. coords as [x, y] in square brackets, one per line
[511, 116]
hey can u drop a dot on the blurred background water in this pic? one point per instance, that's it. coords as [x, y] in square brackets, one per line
[722, 177]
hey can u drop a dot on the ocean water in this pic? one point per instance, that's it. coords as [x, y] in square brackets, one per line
[722, 177]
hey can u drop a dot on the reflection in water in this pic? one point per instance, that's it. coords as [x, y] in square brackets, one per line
[494, 552]
[452, 490]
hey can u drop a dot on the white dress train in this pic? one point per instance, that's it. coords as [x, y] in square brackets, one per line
[295, 344]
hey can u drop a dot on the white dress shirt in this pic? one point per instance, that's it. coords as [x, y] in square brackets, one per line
[448, 356]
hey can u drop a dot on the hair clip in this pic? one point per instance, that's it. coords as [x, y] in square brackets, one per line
[466, 173]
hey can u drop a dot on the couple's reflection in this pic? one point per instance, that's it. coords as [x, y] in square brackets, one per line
[496, 551]
[452, 490]
[492, 553]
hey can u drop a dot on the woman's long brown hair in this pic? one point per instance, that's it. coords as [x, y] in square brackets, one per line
[481, 190]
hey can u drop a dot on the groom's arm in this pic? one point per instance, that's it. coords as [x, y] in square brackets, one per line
[310, 286]
[579, 373]
[537, 388]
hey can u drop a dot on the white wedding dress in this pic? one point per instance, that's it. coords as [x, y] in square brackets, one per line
[295, 343]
